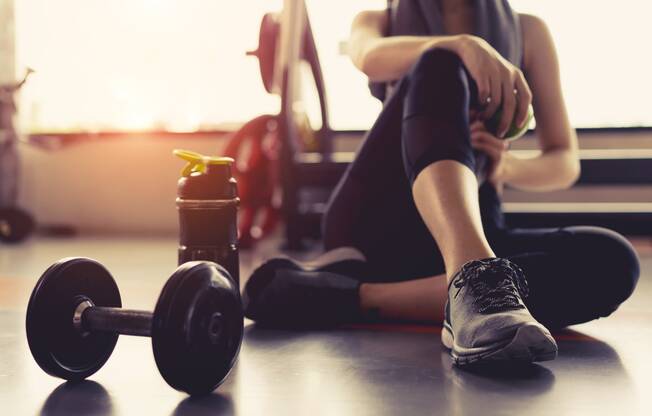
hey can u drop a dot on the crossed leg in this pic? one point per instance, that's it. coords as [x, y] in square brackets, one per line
[386, 216]
[563, 266]
[432, 189]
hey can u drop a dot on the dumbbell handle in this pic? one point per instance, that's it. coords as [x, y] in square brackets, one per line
[116, 320]
[89, 318]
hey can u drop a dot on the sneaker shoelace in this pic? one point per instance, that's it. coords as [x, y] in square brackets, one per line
[496, 284]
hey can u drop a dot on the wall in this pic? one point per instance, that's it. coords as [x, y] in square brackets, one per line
[120, 185]
[127, 184]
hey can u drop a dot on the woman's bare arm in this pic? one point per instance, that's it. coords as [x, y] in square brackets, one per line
[387, 58]
[558, 165]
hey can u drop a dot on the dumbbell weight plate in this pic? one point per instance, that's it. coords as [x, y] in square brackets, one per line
[57, 346]
[268, 38]
[197, 327]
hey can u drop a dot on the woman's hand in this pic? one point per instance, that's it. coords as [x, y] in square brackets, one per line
[495, 148]
[500, 84]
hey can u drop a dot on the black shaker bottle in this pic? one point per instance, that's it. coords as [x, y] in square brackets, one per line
[207, 201]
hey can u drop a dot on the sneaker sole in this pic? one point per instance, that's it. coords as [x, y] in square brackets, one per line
[531, 343]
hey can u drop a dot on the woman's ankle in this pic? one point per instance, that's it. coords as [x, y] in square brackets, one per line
[455, 264]
[366, 293]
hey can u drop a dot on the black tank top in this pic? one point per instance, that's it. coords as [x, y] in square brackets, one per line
[495, 22]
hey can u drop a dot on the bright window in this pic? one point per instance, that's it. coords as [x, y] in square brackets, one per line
[180, 65]
[603, 47]
[605, 59]
[140, 64]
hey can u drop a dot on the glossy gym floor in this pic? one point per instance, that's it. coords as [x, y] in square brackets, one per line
[603, 368]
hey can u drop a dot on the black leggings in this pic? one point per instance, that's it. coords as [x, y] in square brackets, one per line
[576, 274]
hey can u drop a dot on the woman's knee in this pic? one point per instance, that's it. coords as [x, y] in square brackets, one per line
[612, 264]
[438, 61]
[436, 113]
[437, 83]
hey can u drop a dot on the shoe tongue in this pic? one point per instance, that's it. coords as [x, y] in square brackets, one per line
[487, 273]
[492, 276]
[490, 271]
[500, 275]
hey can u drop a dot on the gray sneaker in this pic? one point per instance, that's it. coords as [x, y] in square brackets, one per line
[486, 319]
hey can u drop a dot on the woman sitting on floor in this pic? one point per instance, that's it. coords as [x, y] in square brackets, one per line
[414, 230]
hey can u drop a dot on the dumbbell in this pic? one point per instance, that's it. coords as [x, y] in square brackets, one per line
[15, 225]
[74, 317]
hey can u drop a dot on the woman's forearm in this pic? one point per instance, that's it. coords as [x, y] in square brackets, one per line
[388, 59]
[551, 170]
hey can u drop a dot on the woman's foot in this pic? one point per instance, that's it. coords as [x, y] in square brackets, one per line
[322, 293]
[486, 319]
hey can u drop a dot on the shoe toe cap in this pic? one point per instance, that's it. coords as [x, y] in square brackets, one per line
[499, 327]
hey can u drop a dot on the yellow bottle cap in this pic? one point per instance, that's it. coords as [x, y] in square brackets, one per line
[198, 162]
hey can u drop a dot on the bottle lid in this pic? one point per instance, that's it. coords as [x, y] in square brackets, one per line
[198, 162]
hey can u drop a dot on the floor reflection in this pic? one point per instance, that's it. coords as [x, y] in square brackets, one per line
[84, 397]
[586, 369]
[374, 372]
[474, 390]
[527, 376]
[214, 404]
